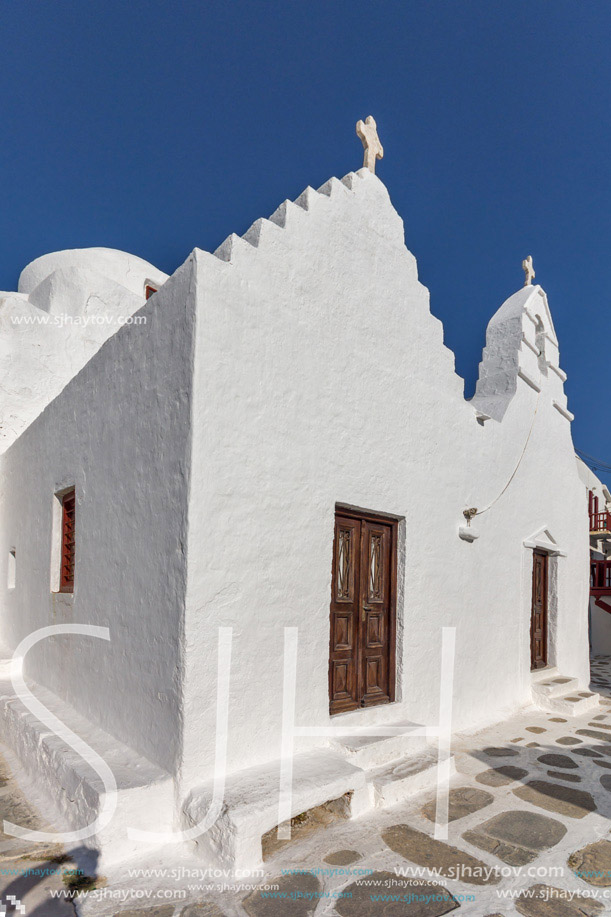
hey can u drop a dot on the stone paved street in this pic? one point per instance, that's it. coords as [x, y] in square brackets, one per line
[29, 872]
[531, 797]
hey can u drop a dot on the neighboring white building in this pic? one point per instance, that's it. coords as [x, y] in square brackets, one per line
[598, 500]
[599, 509]
[285, 429]
[68, 304]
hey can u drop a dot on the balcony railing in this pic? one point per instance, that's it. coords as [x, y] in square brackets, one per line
[600, 577]
[600, 523]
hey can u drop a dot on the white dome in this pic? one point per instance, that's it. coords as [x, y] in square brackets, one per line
[128, 270]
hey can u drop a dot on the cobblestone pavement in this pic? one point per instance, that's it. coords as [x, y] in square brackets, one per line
[529, 834]
[29, 873]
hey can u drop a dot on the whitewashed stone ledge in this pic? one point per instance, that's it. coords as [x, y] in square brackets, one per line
[532, 317]
[564, 411]
[529, 380]
[556, 369]
[530, 345]
[72, 792]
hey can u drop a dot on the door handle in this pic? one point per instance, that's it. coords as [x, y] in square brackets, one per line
[366, 608]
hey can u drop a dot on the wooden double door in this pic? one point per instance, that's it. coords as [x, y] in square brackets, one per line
[363, 611]
[538, 618]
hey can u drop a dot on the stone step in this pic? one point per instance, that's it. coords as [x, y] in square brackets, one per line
[250, 803]
[573, 703]
[370, 752]
[394, 784]
[556, 686]
[537, 675]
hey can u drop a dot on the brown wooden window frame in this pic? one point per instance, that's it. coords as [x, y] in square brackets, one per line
[149, 290]
[68, 540]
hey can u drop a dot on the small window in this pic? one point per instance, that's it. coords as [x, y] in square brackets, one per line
[12, 569]
[66, 569]
[149, 289]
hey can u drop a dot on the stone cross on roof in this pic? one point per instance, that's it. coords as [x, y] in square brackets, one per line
[529, 271]
[368, 133]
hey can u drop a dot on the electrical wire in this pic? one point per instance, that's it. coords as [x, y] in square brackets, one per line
[480, 512]
[592, 462]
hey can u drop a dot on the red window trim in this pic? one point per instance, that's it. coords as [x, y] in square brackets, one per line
[66, 570]
[149, 290]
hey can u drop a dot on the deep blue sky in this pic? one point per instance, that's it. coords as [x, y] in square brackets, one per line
[158, 126]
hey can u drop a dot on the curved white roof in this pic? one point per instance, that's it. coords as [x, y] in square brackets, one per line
[128, 270]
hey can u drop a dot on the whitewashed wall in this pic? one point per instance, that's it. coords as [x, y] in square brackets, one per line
[119, 432]
[322, 377]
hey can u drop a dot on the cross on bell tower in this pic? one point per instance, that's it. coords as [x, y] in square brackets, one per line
[529, 271]
[368, 133]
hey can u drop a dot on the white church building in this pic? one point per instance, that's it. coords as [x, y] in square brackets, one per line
[275, 437]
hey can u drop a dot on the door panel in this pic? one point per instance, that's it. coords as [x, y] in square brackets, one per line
[344, 615]
[538, 622]
[375, 611]
[361, 669]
